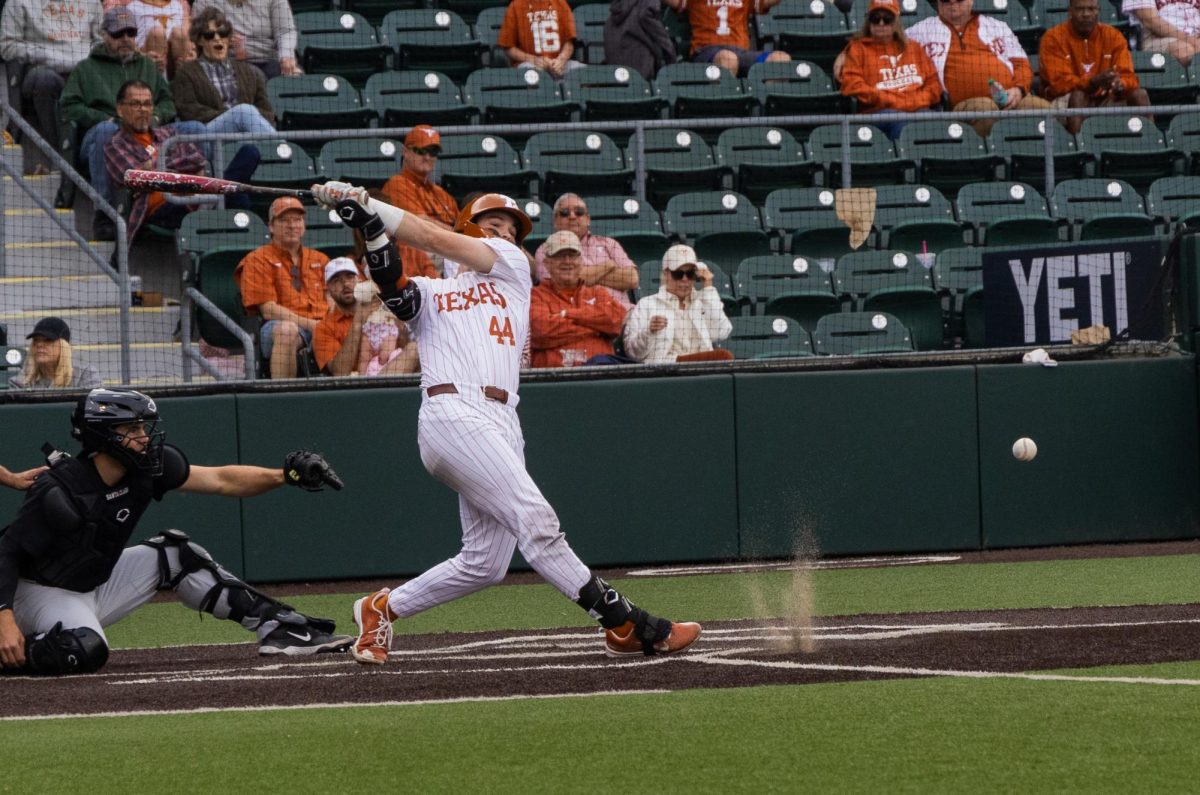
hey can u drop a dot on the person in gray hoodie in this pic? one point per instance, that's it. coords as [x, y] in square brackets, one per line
[41, 41]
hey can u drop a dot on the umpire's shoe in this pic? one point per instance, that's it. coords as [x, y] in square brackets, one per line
[300, 640]
[374, 622]
[657, 636]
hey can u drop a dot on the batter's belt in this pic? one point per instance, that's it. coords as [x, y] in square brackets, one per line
[490, 392]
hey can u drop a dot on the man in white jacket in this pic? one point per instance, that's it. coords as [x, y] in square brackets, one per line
[682, 320]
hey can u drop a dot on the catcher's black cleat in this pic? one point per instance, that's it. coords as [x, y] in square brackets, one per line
[299, 640]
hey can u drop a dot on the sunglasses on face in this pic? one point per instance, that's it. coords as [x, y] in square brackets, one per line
[127, 33]
[950, 2]
[567, 212]
[224, 33]
[428, 151]
[680, 275]
[880, 19]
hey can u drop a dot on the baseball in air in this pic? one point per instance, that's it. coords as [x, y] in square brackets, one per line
[364, 292]
[1024, 449]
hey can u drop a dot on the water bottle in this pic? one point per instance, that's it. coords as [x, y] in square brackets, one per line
[135, 289]
[999, 95]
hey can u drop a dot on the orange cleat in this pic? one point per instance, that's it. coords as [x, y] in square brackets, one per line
[374, 629]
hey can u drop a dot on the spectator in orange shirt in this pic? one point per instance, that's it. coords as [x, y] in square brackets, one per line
[721, 32]
[970, 49]
[283, 282]
[358, 335]
[414, 191]
[1086, 64]
[571, 323]
[539, 34]
[886, 71]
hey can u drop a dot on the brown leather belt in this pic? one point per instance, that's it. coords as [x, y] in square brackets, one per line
[490, 392]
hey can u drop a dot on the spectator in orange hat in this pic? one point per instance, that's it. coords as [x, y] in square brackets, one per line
[972, 52]
[721, 32]
[414, 191]
[1086, 64]
[539, 34]
[886, 71]
[283, 282]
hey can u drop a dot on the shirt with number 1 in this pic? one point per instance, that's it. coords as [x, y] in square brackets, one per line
[719, 22]
[538, 27]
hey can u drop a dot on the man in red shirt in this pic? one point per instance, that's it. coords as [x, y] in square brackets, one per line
[539, 34]
[1086, 64]
[570, 322]
[721, 32]
[284, 283]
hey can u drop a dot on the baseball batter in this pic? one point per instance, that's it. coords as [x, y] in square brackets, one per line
[65, 573]
[470, 331]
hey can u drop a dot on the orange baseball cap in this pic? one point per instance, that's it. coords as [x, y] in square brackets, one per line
[891, 6]
[423, 135]
[282, 205]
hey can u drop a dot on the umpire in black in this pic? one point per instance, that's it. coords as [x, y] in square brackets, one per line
[65, 572]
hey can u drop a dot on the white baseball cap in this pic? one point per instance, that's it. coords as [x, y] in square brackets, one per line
[339, 265]
[678, 256]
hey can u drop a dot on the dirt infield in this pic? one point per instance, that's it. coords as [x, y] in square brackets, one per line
[558, 662]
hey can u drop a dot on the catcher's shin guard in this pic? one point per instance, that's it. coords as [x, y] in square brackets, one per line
[63, 651]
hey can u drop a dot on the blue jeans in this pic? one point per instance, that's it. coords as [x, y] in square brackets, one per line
[242, 118]
[892, 128]
[91, 152]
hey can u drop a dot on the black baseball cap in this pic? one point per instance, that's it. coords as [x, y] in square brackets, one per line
[52, 328]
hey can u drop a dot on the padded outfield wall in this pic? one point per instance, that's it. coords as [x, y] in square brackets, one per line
[708, 467]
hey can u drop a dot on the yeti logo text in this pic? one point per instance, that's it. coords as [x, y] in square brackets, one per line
[1065, 278]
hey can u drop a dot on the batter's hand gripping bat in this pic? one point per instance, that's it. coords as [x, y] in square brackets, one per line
[171, 182]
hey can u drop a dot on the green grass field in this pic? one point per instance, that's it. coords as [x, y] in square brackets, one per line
[927, 735]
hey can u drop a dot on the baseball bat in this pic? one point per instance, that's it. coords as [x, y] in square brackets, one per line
[171, 182]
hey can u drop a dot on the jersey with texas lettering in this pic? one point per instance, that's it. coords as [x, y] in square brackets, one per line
[471, 329]
[720, 22]
[538, 27]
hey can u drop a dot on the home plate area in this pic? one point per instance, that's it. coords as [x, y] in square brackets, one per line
[525, 664]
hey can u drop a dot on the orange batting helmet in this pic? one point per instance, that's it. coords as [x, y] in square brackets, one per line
[489, 202]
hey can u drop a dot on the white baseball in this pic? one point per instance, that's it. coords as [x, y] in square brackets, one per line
[364, 292]
[1024, 449]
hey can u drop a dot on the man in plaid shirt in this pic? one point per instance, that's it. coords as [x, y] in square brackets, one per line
[136, 145]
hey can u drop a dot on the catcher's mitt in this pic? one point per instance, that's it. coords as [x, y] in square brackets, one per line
[310, 471]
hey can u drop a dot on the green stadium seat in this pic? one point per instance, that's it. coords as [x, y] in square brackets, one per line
[949, 154]
[543, 221]
[612, 93]
[374, 10]
[805, 222]
[860, 334]
[517, 96]
[697, 90]
[483, 162]
[811, 30]
[763, 159]
[873, 159]
[766, 338]
[406, 99]
[714, 216]
[283, 164]
[913, 11]
[631, 222]
[796, 87]
[317, 102]
[209, 228]
[722, 283]
[342, 43]
[1099, 209]
[577, 162]
[1028, 31]
[1183, 134]
[470, 10]
[915, 218]
[894, 282]
[1130, 148]
[432, 39]
[589, 32]
[1005, 214]
[1174, 200]
[1021, 142]
[956, 272]
[325, 232]
[793, 286]
[677, 161]
[487, 30]
[369, 162]
[1165, 80]
[649, 276]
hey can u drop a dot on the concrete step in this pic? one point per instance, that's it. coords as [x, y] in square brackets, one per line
[101, 325]
[44, 186]
[150, 363]
[31, 225]
[14, 155]
[52, 258]
[32, 293]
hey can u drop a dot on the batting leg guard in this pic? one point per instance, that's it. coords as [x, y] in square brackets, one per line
[205, 585]
[606, 605]
[64, 651]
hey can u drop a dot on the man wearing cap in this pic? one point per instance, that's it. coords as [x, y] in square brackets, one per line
[683, 319]
[136, 145]
[970, 49]
[570, 322]
[41, 41]
[90, 94]
[1086, 64]
[414, 191]
[339, 337]
[284, 283]
[50, 364]
[721, 32]
[605, 263]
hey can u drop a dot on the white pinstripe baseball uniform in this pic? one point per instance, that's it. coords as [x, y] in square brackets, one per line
[470, 332]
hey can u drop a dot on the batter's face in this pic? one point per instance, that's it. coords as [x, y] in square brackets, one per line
[498, 224]
[214, 42]
[137, 109]
[955, 13]
[566, 269]
[287, 230]
[1084, 14]
[341, 290]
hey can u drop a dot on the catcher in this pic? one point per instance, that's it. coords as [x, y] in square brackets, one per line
[65, 572]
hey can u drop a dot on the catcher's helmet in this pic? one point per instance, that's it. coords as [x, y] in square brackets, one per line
[489, 202]
[99, 412]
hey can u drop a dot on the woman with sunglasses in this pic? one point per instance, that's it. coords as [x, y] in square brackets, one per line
[215, 84]
[683, 319]
[885, 71]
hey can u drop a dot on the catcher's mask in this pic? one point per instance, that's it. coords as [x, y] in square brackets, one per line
[97, 416]
[489, 202]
